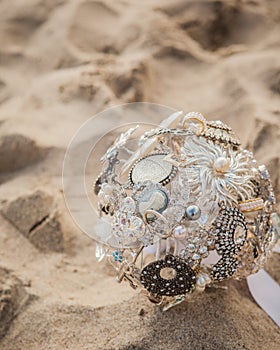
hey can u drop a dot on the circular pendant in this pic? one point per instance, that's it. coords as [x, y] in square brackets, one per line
[152, 168]
[170, 277]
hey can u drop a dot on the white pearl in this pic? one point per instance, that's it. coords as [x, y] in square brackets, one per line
[180, 232]
[108, 189]
[200, 281]
[222, 164]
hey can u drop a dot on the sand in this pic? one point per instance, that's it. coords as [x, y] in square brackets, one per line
[64, 61]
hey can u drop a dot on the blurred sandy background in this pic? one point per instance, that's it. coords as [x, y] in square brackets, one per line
[62, 62]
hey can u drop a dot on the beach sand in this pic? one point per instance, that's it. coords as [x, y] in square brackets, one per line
[62, 62]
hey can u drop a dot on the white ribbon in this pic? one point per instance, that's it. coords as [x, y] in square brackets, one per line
[266, 292]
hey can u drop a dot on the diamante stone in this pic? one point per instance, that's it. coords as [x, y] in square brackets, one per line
[196, 257]
[191, 247]
[239, 235]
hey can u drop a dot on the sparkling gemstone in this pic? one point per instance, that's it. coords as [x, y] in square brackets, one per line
[128, 204]
[239, 235]
[196, 257]
[107, 198]
[174, 213]
[193, 212]
[203, 250]
[264, 172]
[218, 134]
[191, 247]
[138, 227]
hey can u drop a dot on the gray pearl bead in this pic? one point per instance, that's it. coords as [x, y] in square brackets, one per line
[193, 212]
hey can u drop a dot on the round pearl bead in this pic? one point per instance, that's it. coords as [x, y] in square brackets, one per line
[222, 164]
[200, 281]
[107, 189]
[193, 212]
[180, 232]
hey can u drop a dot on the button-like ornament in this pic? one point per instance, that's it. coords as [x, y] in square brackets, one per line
[152, 168]
[179, 281]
